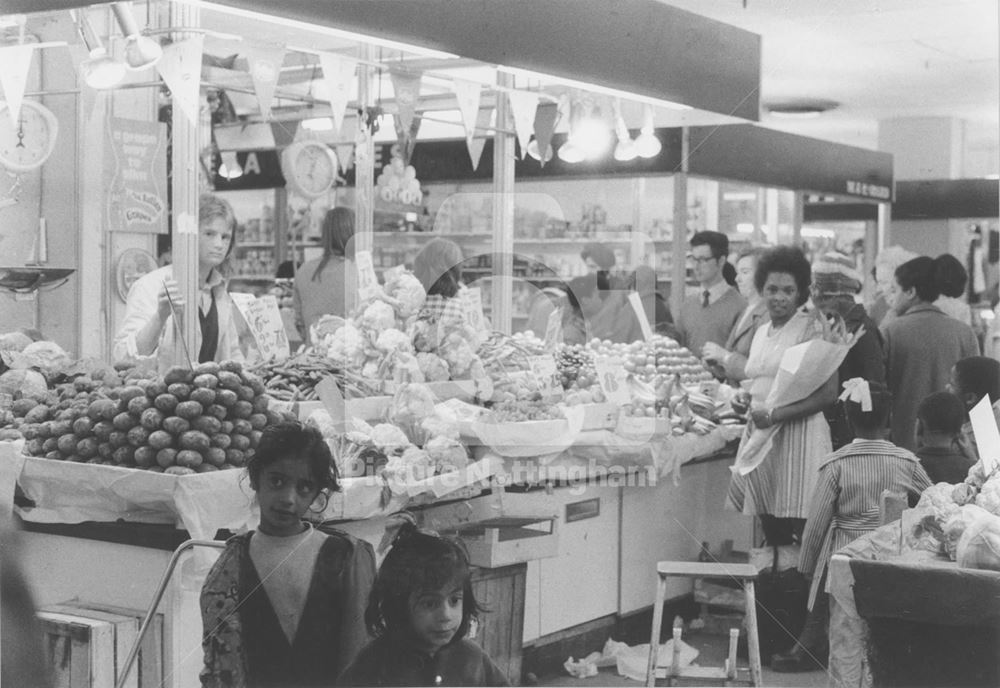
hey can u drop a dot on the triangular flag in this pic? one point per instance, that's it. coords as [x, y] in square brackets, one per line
[406, 88]
[523, 105]
[477, 142]
[339, 73]
[16, 61]
[180, 68]
[265, 60]
[545, 124]
[468, 94]
[407, 137]
[345, 156]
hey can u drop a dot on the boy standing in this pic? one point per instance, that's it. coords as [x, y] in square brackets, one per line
[939, 429]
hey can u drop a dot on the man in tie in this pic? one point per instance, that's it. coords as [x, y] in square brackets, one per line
[709, 314]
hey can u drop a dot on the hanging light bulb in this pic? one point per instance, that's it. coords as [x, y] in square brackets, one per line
[140, 51]
[625, 148]
[571, 153]
[100, 70]
[230, 166]
[593, 136]
[533, 150]
[647, 145]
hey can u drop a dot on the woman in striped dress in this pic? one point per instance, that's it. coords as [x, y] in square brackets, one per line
[777, 491]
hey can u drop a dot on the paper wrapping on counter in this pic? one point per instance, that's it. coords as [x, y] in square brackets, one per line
[534, 437]
[11, 464]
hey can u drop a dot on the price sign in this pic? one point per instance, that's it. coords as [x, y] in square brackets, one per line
[640, 313]
[553, 328]
[984, 427]
[368, 286]
[544, 370]
[612, 378]
[263, 318]
[472, 307]
[333, 401]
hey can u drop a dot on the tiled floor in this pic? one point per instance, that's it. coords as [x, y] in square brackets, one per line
[712, 652]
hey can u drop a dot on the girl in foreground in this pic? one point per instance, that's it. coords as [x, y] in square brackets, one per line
[284, 605]
[419, 613]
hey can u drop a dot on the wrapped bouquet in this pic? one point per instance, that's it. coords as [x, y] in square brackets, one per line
[804, 368]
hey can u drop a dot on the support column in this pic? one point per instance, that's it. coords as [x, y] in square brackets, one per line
[503, 210]
[364, 156]
[678, 273]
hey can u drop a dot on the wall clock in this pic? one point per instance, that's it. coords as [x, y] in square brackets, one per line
[26, 144]
[309, 168]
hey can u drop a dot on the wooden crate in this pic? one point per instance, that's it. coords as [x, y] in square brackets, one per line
[81, 650]
[149, 663]
[501, 627]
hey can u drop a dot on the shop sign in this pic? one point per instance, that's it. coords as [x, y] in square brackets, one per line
[135, 176]
[878, 191]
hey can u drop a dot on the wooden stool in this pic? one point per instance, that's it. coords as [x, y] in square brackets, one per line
[746, 574]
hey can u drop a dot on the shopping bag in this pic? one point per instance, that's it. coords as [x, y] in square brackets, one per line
[782, 607]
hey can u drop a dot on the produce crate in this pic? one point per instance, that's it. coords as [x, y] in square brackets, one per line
[149, 663]
[81, 650]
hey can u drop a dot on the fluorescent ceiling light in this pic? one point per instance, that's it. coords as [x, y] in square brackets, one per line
[593, 88]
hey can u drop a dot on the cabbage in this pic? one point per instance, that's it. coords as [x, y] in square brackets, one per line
[14, 341]
[48, 357]
[23, 383]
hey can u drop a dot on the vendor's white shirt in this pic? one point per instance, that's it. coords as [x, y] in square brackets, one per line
[142, 303]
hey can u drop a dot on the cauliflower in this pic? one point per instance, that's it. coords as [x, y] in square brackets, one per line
[458, 354]
[406, 292]
[977, 475]
[378, 316]
[955, 526]
[989, 496]
[393, 340]
[347, 347]
[23, 384]
[14, 341]
[414, 464]
[937, 497]
[412, 402]
[963, 494]
[321, 420]
[370, 369]
[424, 334]
[447, 454]
[403, 367]
[389, 438]
[47, 356]
[434, 368]
[325, 326]
[436, 426]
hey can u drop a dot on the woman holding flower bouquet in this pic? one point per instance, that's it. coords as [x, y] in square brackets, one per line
[778, 459]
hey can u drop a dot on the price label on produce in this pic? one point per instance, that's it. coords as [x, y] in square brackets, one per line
[553, 328]
[640, 313]
[613, 379]
[263, 318]
[543, 369]
[368, 286]
[472, 306]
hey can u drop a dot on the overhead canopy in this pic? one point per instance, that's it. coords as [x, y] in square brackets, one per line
[642, 47]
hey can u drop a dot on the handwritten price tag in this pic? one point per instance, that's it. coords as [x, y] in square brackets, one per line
[368, 286]
[612, 378]
[263, 318]
[472, 303]
[544, 370]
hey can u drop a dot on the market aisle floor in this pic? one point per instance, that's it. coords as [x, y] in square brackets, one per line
[712, 652]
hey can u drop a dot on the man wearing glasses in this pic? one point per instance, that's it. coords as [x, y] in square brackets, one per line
[709, 314]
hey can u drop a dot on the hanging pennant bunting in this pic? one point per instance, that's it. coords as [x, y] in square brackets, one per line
[265, 60]
[406, 87]
[523, 105]
[16, 61]
[406, 136]
[345, 156]
[468, 95]
[339, 74]
[477, 142]
[545, 124]
[180, 68]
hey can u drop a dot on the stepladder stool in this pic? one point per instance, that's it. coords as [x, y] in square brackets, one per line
[746, 575]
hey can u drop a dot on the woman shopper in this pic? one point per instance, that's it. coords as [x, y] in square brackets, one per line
[777, 490]
[328, 285]
[728, 361]
[149, 330]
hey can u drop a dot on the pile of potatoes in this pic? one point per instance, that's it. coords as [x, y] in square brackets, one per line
[206, 419]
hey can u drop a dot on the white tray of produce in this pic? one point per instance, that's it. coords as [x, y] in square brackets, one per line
[532, 437]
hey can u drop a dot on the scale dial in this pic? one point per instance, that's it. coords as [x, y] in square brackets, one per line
[26, 144]
[309, 168]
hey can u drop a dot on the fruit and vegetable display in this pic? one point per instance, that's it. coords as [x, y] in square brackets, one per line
[947, 511]
[295, 378]
[186, 421]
